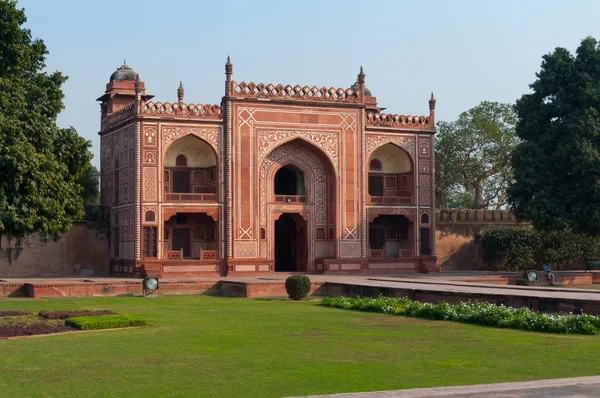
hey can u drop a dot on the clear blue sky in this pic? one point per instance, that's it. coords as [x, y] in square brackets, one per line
[464, 51]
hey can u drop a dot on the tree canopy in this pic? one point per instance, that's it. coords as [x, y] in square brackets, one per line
[39, 162]
[473, 157]
[90, 184]
[557, 166]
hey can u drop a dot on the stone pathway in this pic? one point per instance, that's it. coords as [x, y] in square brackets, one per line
[577, 387]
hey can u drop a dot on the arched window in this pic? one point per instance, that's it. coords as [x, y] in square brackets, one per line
[181, 161]
[375, 165]
[425, 219]
[150, 216]
[289, 181]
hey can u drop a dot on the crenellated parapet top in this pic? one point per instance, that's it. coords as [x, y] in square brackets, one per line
[181, 109]
[112, 119]
[393, 120]
[252, 90]
[159, 108]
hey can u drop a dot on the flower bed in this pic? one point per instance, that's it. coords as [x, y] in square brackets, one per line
[27, 324]
[13, 313]
[104, 322]
[71, 314]
[473, 312]
[20, 323]
[21, 330]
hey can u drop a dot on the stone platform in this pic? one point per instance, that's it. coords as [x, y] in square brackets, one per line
[450, 287]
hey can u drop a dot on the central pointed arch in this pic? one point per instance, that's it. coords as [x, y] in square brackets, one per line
[318, 199]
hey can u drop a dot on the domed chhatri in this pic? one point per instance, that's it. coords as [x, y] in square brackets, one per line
[124, 72]
[356, 87]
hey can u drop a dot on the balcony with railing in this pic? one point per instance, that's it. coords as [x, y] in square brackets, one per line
[178, 255]
[383, 253]
[190, 197]
[390, 200]
[290, 198]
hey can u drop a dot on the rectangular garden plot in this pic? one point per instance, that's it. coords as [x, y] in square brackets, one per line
[21, 323]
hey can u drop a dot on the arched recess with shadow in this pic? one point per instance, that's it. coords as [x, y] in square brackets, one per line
[190, 171]
[298, 182]
[391, 176]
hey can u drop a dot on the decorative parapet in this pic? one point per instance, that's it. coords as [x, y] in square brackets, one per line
[181, 109]
[261, 90]
[112, 119]
[392, 120]
[475, 216]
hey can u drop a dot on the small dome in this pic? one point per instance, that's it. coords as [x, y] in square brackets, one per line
[356, 86]
[123, 73]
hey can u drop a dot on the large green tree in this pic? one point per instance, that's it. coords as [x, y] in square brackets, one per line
[90, 183]
[39, 162]
[473, 157]
[557, 166]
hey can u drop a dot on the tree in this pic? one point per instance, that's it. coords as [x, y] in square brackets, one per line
[473, 156]
[90, 182]
[39, 162]
[557, 166]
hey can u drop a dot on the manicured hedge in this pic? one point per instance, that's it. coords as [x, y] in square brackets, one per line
[104, 322]
[72, 314]
[473, 312]
[14, 313]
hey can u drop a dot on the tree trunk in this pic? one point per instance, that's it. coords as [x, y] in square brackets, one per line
[478, 199]
[440, 199]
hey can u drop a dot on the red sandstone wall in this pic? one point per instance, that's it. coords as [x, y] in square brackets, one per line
[81, 252]
[455, 233]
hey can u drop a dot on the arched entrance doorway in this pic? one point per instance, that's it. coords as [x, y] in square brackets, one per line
[296, 178]
[290, 243]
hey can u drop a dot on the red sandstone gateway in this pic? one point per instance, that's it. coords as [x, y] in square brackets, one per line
[276, 178]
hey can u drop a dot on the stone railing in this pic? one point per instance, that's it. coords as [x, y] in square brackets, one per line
[112, 119]
[208, 254]
[192, 197]
[181, 109]
[475, 216]
[174, 254]
[280, 91]
[290, 198]
[392, 120]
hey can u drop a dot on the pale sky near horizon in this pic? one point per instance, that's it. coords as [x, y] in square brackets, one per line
[463, 51]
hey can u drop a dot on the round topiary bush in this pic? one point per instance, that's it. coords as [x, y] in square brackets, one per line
[297, 286]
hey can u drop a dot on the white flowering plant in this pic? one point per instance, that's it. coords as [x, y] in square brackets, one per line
[474, 313]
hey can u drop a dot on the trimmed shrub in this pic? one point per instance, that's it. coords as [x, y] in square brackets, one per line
[512, 248]
[520, 248]
[523, 282]
[14, 313]
[72, 314]
[297, 286]
[473, 312]
[104, 322]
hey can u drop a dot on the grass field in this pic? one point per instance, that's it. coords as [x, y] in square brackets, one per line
[204, 346]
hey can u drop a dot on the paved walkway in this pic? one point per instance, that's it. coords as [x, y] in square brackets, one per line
[577, 387]
[443, 282]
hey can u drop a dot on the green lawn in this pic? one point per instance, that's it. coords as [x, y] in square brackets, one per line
[204, 346]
